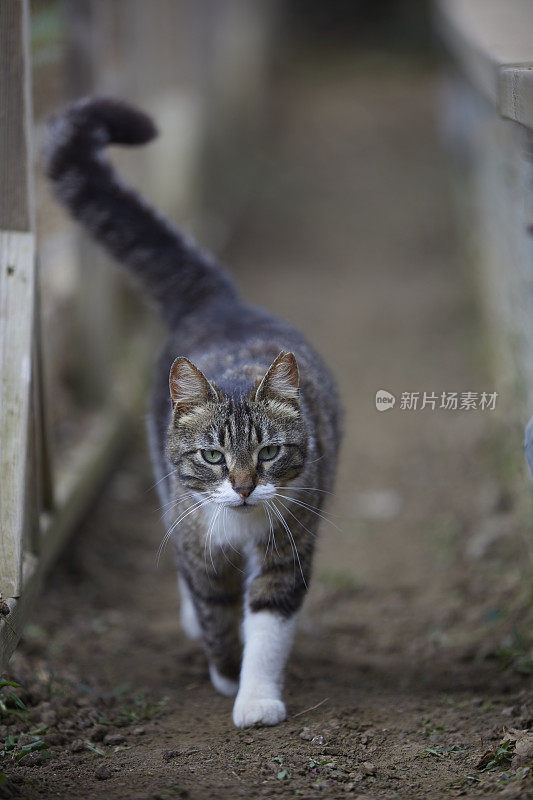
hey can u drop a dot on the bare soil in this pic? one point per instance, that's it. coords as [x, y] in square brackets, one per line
[410, 663]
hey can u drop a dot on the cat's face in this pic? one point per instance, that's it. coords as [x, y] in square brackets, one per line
[236, 453]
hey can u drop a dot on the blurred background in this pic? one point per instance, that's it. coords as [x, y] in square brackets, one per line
[216, 77]
[349, 162]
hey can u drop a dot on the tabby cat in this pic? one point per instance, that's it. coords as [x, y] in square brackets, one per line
[244, 433]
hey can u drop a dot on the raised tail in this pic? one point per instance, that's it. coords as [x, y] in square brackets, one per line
[172, 268]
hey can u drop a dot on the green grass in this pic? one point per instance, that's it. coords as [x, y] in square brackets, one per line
[498, 758]
[142, 708]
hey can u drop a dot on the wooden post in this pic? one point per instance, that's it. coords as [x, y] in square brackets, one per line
[17, 285]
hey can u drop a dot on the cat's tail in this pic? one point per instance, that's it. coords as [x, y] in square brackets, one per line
[174, 270]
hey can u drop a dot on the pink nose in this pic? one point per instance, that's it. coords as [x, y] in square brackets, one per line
[244, 491]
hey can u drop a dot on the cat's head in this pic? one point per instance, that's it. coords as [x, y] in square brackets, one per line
[236, 451]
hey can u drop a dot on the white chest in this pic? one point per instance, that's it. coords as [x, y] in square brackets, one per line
[235, 527]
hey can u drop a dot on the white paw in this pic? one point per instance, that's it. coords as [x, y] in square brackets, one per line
[225, 686]
[258, 711]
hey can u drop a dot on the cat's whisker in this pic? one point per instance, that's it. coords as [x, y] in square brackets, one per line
[309, 508]
[227, 541]
[169, 532]
[197, 504]
[291, 538]
[305, 489]
[267, 513]
[297, 520]
[314, 461]
[278, 515]
[174, 503]
[267, 505]
[160, 480]
[210, 537]
[208, 540]
[168, 535]
[279, 489]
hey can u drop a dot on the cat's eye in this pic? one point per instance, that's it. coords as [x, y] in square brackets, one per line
[213, 456]
[269, 452]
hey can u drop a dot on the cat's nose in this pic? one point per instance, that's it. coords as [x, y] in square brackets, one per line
[244, 491]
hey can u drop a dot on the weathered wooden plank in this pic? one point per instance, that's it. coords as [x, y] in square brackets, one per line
[77, 484]
[17, 286]
[492, 42]
[16, 210]
[516, 92]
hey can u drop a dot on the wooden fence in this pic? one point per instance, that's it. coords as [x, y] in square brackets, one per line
[190, 63]
[487, 119]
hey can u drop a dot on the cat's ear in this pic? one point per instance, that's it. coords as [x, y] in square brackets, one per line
[281, 381]
[188, 386]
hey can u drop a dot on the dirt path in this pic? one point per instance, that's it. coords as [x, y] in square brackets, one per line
[388, 693]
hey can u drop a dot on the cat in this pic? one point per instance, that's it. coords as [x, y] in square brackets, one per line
[244, 424]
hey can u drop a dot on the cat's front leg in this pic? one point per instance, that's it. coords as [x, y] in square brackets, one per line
[268, 637]
[272, 601]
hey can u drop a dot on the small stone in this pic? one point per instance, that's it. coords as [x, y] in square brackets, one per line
[524, 749]
[77, 746]
[140, 731]
[114, 738]
[317, 740]
[98, 733]
[306, 734]
[368, 768]
[102, 772]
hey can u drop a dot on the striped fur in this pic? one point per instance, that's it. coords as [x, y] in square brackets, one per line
[231, 381]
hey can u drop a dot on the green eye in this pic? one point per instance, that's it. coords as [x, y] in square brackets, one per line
[269, 452]
[213, 456]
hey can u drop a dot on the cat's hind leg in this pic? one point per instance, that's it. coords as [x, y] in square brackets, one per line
[211, 611]
[188, 615]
